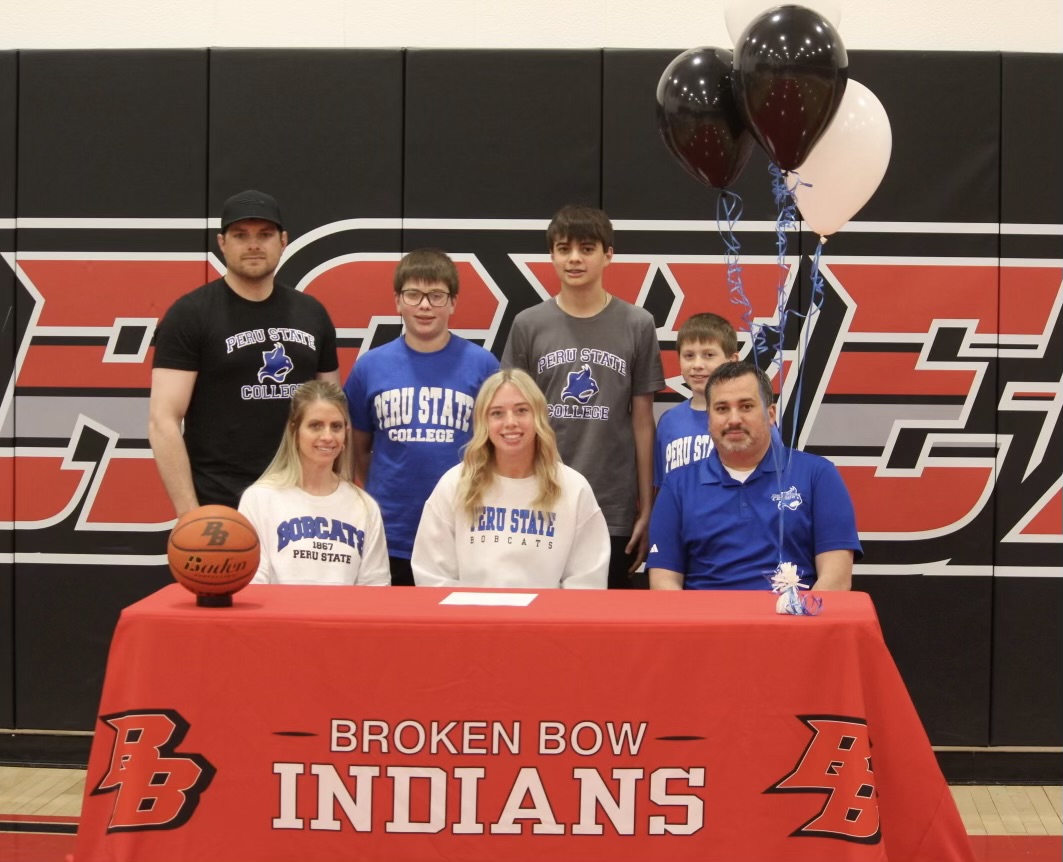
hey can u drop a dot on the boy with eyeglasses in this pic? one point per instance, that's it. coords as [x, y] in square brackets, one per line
[411, 401]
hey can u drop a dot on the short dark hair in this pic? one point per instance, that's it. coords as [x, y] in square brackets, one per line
[578, 223]
[427, 265]
[707, 326]
[735, 370]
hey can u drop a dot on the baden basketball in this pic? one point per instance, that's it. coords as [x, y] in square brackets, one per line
[213, 550]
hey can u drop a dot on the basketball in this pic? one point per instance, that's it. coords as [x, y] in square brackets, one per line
[213, 550]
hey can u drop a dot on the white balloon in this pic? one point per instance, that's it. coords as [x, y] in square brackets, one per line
[848, 162]
[739, 13]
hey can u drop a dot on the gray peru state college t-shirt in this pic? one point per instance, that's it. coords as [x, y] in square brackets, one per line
[589, 368]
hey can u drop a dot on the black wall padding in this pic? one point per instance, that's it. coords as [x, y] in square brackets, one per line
[501, 134]
[115, 134]
[8, 103]
[65, 616]
[320, 130]
[1027, 705]
[112, 133]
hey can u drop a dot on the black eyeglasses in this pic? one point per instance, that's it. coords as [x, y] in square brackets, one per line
[436, 298]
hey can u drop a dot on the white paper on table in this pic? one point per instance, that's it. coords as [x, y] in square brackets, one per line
[517, 600]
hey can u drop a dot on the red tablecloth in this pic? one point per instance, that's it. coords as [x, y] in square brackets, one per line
[318, 723]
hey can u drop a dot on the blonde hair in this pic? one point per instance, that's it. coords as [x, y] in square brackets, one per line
[286, 469]
[478, 462]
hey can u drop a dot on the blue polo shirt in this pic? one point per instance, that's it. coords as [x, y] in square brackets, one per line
[723, 534]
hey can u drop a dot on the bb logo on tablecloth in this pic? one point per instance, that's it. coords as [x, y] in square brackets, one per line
[156, 786]
[837, 762]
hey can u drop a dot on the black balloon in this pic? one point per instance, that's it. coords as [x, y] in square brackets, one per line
[790, 69]
[699, 118]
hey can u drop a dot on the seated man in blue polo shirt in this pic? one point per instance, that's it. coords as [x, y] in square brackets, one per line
[727, 522]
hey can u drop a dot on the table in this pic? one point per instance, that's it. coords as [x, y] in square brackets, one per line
[358, 723]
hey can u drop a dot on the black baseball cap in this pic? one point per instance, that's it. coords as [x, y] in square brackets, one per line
[250, 204]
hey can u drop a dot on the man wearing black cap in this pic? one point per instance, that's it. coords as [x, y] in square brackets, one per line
[228, 356]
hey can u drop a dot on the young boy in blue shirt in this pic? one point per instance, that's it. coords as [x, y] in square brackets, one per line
[704, 343]
[411, 401]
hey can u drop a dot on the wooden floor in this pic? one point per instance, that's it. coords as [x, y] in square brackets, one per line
[42, 792]
[994, 810]
[1009, 809]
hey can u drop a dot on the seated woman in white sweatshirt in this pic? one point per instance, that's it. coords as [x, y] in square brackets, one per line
[314, 525]
[511, 514]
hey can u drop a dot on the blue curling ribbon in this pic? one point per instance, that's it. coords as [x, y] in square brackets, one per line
[802, 605]
[783, 193]
[787, 209]
[784, 222]
[776, 449]
[728, 213]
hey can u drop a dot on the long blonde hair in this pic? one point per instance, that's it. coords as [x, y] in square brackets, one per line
[286, 470]
[478, 462]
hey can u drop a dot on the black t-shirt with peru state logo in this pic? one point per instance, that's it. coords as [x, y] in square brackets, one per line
[249, 358]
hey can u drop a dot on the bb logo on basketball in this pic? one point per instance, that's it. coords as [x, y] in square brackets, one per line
[154, 785]
[215, 532]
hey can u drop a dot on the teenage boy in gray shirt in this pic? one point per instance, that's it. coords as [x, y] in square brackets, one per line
[598, 362]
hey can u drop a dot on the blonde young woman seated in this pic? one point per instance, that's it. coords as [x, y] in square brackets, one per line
[314, 525]
[511, 514]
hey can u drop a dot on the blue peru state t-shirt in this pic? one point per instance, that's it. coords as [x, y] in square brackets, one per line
[418, 407]
[682, 439]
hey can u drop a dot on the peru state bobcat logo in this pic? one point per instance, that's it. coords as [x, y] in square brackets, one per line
[275, 364]
[582, 387]
[790, 499]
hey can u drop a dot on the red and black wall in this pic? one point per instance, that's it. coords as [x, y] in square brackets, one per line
[932, 376]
